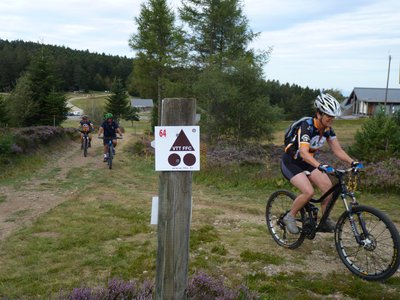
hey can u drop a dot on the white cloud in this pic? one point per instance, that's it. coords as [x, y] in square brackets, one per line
[100, 26]
[321, 44]
[339, 51]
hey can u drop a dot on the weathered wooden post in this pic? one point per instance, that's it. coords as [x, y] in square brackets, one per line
[174, 212]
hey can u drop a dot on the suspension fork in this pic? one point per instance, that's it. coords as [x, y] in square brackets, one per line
[352, 220]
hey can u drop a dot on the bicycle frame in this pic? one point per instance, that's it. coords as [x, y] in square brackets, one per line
[339, 189]
[85, 136]
[110, 146]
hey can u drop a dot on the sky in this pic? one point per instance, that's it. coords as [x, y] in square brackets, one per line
[321, 44]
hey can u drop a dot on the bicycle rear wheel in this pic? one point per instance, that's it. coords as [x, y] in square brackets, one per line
[377, 257]
[278, 205]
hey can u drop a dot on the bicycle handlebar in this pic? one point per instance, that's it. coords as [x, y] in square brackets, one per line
[109, 138]
[338, 172]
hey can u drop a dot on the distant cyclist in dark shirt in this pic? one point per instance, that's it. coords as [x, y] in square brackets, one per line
[109, 129]
[302, 169]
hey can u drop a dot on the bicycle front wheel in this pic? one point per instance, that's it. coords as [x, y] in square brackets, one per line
[85, 147]
[377, 255]
[110, 157]
[278, 205]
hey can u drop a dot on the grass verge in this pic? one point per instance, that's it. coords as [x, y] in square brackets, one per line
[103, 231]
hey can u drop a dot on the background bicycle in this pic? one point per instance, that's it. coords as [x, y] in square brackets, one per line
[85, 141]
[111, 150]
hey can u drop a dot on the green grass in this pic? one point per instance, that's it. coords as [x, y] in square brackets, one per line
[21, 167]
[265, 258]
[103, 231]
[307, 286]
[93, 105]
[85, 240]
[90, 103]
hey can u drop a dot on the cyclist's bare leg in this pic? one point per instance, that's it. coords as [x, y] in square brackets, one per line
[114, 143]
[322, 181]
[302, 182]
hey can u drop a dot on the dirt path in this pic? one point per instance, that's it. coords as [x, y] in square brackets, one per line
[23, 202]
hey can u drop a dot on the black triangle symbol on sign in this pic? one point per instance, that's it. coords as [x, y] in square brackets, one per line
[182, 143]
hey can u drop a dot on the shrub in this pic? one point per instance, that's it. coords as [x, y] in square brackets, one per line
[6, 143]
[379, 138]
[396, 117]
[205, 287]
[142, 147]
[3, 112]
[29, 139]
[201, 286]
[382, 176]
[116, 289]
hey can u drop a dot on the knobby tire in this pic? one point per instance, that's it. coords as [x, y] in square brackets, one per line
[278, 204]
[379, 257]
[85, 147]
[110, 157]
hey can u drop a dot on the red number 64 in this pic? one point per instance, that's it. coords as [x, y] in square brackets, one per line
[163, 133]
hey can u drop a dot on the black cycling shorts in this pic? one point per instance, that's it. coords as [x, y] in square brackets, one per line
[290, 167]
[106, 139]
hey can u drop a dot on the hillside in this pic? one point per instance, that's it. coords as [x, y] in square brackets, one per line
[79, 70]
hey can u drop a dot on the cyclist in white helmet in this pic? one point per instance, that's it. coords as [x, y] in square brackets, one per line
[299, 164]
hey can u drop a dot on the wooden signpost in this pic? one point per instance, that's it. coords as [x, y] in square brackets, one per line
[174, 211]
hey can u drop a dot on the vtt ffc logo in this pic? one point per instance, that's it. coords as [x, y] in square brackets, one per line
[177, 148]
[182, 145]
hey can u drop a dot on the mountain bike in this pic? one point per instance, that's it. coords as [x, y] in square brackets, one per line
[85, 139]
[367, 241]
[85, 143]
[111, 150]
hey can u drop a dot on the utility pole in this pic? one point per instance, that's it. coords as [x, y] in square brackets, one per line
[387, 82]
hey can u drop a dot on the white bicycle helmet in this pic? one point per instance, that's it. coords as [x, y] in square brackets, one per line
[328, 104]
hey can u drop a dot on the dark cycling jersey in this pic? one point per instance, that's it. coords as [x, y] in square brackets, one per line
[307, 135]
[109, 129]
[86, 126]
[87, 122]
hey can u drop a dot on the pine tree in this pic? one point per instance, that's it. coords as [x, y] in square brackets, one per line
[22, 109]
[219, 30]
[132, 114]
[46, 93]
[118, 103]
[3, 112]
[160, 47]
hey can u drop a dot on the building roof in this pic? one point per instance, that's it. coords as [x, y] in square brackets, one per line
[376, 95]
[142, 102]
